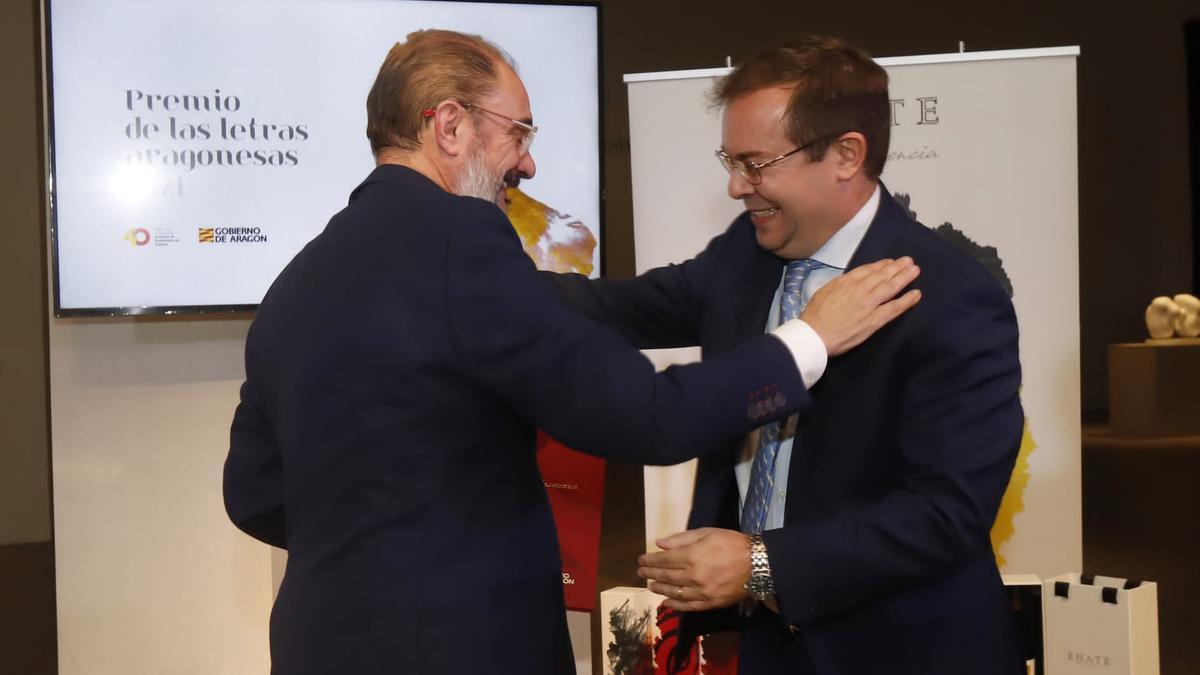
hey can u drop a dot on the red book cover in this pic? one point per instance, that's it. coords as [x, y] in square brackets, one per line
[575, 483]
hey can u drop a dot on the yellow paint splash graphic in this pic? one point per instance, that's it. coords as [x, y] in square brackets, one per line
[555, 241]
[1014, 498]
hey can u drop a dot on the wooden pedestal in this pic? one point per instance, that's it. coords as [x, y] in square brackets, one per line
[1154, 388]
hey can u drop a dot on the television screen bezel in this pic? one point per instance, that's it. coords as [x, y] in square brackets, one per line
[202, 310]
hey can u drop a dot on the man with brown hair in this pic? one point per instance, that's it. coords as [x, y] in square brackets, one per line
[852, 538]
[397, 371]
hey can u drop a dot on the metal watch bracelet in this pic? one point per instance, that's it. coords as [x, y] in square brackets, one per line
[761, 584]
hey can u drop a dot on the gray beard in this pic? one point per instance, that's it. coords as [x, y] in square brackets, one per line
[478, 181]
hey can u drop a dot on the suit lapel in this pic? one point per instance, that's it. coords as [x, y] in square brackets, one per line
[747, 283]
[740, 300]
[876, 244]
[877, 241]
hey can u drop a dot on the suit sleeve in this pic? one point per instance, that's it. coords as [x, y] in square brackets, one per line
[960, 430]
[253, 478]
[658, 309]
[582, 383]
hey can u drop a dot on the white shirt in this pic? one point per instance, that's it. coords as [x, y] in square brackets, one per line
[835, 254]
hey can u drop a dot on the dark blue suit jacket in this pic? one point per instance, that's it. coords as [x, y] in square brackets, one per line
[396, 373]
[884, 563]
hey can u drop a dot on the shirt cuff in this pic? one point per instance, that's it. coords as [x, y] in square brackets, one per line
[807, 349]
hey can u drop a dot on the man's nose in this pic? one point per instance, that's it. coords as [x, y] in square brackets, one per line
[526, 167]
[739, 187]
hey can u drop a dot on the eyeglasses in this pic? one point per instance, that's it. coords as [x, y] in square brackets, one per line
[523, 131]
[752, 171]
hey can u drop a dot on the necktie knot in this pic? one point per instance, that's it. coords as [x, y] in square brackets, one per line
[797, 271]
[791, 302]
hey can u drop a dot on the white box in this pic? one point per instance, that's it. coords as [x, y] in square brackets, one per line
[1096, 625]
[629, 620]
[639, 636]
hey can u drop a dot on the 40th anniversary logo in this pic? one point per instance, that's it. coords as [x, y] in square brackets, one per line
[143, 236]
[137, 236]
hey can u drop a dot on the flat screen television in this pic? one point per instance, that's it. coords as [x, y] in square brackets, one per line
[197, 145]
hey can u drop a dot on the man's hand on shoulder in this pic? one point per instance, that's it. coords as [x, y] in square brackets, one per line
[849, 309]
[699, 569]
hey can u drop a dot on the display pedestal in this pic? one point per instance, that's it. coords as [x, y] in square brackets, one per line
[1154, 388]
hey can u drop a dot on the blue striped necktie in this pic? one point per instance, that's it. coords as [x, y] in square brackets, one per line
[762, 471]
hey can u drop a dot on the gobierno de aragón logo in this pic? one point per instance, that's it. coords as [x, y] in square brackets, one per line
[231, 235]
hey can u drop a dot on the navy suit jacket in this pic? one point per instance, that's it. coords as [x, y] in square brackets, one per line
[884, 563]
[396, 373]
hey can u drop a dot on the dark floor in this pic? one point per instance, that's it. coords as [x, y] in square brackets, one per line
[27, 629]
[1141, 520]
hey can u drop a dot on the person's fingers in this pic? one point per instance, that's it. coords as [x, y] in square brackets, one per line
[877, 319]
[676, 592]
[887, 287]
[679, 539]
[674, 559]
[892, 309]
[691, 605]
[872, 273]
[887, 274]
[863, 271]
[660, 575]
[869, 285]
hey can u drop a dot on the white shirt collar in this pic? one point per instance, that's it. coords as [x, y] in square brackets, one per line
[841, 246]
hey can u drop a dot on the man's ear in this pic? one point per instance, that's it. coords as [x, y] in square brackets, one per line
[850, 153]
[448, 128]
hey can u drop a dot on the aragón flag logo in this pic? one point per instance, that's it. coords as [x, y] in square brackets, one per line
[231, 235]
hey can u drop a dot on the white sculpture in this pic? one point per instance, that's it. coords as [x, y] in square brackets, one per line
[1187, 322]
[1174, 317]
[1160, 317]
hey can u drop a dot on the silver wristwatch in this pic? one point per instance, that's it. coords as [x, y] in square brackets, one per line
[761, 584]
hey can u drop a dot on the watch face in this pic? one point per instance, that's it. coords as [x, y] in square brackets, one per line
[760, 588]
[760, 584]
